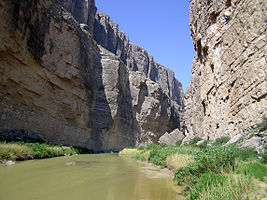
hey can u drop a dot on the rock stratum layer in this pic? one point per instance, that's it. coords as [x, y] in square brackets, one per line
[227, 94]
[76, 80]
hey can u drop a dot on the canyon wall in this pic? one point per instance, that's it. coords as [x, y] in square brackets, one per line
[227, 94]
[59, 81]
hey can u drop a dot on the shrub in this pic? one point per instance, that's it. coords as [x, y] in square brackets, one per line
[24, 151]
[206, 181]
[179, 142]
[255, 169]
[42, 150]
[215, 159]
[194, 141]
[263, 125]
[228, 187]
[15, 152]
[264, 157]
[221, 140]
[158, 157]
[204, 144]
[186, 175]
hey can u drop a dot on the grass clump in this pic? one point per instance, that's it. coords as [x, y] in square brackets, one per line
[226, 187]
[135, 154]
[256, 169]
[15, 152]
[177, 160]
[25, 151]
[212, 168]
[207, 180]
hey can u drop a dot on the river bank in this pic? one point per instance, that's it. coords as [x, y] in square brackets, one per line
[19, 151]
[215, 172]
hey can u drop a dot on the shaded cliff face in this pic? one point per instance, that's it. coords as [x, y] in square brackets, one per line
[49, 72]
[56, 81]
[140, 111]
[82, 10]
[108, 35]
[227, 94]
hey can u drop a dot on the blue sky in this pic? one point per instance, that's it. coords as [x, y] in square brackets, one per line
[160, 27]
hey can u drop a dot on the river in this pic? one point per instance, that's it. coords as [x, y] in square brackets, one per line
[85, 177]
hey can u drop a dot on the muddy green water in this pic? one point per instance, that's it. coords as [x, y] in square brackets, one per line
[93, 177]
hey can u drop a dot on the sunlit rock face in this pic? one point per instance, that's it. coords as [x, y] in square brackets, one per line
[58, 81]
[227, 94]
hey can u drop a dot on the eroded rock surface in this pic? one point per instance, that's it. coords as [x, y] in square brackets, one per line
[82, 10]
[49, 72]
[227, 94]
[107, 34]
[56, 81]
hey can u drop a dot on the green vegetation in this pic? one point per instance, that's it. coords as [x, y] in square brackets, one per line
[256, 169]
[225, 187]
[194, 141]
[214, 172]
[25, 151]
[221, 140]
[263, 125]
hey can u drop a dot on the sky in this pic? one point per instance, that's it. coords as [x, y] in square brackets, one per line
[160, 27]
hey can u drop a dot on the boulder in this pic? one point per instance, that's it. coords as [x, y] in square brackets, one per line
[235, 139]
[251, 143]
[172, 138]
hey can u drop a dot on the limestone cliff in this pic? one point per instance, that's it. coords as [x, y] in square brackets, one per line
[58, 82]
[107, 34]
[227, 94]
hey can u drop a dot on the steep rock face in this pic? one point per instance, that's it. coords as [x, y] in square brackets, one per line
[57, 82]
[82, 10]
[154, 111]
[227, 94]
[108, 35]
[139, 110]
[49, 72]
[139, 60]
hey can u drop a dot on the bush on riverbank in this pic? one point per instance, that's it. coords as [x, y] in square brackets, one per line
[15, 152]
[219, 164]
[215, 172]
[25, 151]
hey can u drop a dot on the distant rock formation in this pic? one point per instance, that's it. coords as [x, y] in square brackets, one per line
[107, 34]
[74, 89]
[228, 89]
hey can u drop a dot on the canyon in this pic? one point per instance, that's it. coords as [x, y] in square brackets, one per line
[71, 76]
